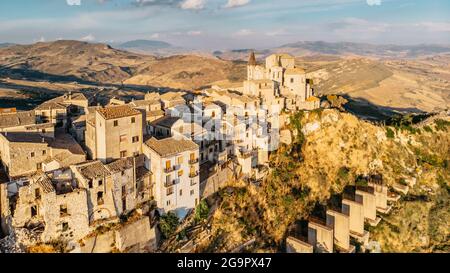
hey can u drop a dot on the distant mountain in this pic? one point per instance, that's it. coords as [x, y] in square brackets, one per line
[75, 61]
[2, 45]
[363, 49]
[144, 44]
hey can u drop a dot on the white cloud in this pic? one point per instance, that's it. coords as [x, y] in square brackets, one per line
[244, 32]
[88, 38]
[434, 26]
[154, 36]
[194, 33]
[373, 2]
[73, 2]
[193, 4]
[236, 3]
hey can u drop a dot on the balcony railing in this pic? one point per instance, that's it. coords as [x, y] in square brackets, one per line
[193, 174]
[170, 183]
[171, 169]
[193, 161]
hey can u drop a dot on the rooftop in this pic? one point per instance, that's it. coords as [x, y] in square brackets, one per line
[295, 71]
[145, 102]
[120, 165]
[166, 121]
[51, 105]
[17, 119]
[170, 146]
[93, 170]
[120, 111]
[23, 137]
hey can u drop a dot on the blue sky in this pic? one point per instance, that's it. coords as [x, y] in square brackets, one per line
[224, 24]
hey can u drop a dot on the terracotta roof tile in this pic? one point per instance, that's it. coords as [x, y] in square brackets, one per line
[170, 146]
[114, 112]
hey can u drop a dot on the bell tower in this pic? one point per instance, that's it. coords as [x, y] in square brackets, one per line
[251, 66]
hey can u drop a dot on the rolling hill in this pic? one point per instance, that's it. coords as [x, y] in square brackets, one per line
[74, 61]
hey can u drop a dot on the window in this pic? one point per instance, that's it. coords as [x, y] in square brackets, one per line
[62, 210]
[124, 191]
[180, 173]
[116, 123]
[213, 114]
[168, 202]
[33, 211]
[123, 154]
[192, 157]
[192, 192]
[169, 191]
[135, 139]
[65, 226]
[32, 154]
[196, 201]
[44, 152]
[181, 192]
[292, 80]
[90, 184]
[180, 160]
[133, 120]
[123, 138]
[43, 131]
[37, 194]
[39, 166]
[100, 182]
[168, 165]
[100, 200]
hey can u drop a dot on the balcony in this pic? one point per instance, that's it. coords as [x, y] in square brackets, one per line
[193, 174]
[171, 169]
[170, 183]
[193, 161]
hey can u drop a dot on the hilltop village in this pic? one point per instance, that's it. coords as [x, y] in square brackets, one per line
[70, 168]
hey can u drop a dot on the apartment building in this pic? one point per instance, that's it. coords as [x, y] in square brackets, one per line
[175, 165]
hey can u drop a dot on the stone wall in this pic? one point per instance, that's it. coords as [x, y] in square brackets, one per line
[137, 233]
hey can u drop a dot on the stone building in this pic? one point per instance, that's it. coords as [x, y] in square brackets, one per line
[114, 132]
[280, 81]
[23, 154]
[175, 165]
[58, 110]
[132, 183]
[54, 209]
[98, 182]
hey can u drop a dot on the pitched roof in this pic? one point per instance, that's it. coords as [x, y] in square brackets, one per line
[120, 111]
[45, 183]
[169, 96]
[166, 121]
[51, 105]
[170, 146]
[17, 119]
[144, 102]
[120, 165]
[93, 169]
[23, 137]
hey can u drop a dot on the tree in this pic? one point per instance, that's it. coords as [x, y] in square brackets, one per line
[201, 211]
[168, 224]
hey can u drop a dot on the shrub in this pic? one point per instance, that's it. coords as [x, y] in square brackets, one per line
[168, 224]
[201, 211]
[389, 133]
[441, 125]
[427, 129]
